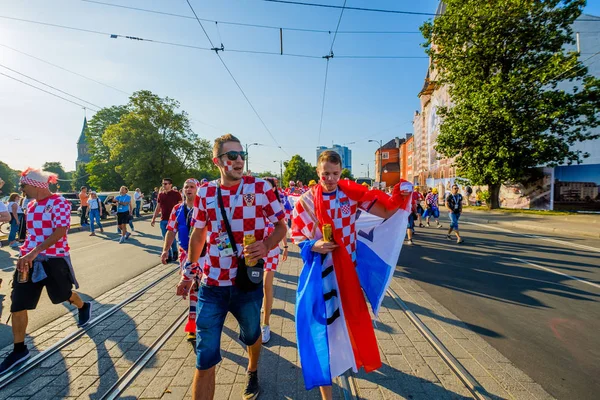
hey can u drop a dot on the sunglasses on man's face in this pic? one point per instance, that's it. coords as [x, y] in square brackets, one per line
[166, 183]
[233, 155]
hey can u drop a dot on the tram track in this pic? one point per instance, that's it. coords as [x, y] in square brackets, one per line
[36, 360]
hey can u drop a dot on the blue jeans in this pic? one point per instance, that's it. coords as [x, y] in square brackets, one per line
[163, 228]
[14, 229]
[454, 220]
[138, 204]
[214, 302]
[95, 216]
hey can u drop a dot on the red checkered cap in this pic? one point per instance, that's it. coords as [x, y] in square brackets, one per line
[38, 178]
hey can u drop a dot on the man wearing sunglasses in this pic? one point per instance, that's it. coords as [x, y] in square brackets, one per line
[247, 203]
[168, 199]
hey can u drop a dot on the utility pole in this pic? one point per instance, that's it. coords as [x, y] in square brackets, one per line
[380, 158]
[247, 157]
[280, 172]
[367, 164]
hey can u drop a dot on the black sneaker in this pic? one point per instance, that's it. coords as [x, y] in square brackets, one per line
[13, 359]
[448, 237]
[85, 314]
[252, 388]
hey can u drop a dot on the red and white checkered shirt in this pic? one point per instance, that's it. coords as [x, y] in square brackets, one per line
[305, 225]
[43, 217]
[256, 203]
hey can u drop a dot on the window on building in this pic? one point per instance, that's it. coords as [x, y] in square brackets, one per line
[410, 146]
[410, 160]
[385, 155]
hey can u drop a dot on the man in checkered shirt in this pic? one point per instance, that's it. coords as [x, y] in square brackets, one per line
[45, 257]
[248, 202]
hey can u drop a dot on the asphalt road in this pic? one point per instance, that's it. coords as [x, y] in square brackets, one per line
[547, 324]
[100, 264]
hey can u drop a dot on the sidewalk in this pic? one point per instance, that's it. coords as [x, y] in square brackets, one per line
[587, 225]
[111, 220]
[412, 369]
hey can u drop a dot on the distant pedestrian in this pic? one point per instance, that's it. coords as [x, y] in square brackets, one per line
[23, 229]
[124, 211]
[229, 213]
[432, 201]
[154, 199]
[95, 212]
[138, 197]
[180, 226]
[83, 199]
[271, 263]
[454, 205]
[44, 261]
[167, 199]
[16, 219]
[418, 198]
[130, 218]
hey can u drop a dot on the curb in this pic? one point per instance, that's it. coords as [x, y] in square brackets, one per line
[537, 228]
[79, 228]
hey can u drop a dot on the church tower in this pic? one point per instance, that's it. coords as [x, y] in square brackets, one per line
[83, 155]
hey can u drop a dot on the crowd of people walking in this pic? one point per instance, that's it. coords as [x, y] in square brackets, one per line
[228, 235]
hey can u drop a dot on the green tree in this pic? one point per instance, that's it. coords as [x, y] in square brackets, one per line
[346, 174]
[10, 178]
[79, 178]
[502, 62]
[267, 174]
[144, 141]
[57, 168]
[102, 168]
[297, 169]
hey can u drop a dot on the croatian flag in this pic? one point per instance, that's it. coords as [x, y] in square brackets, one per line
[324, 344]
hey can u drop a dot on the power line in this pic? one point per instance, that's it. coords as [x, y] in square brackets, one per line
[575, 66]
[46, 91]
[300, 3]
[327, 57]
[235, 80]
[51, 87]
[94, 80]
[138, 38]
[146, 10]
[65, 69]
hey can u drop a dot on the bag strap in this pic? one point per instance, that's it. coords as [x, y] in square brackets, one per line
[226, 220]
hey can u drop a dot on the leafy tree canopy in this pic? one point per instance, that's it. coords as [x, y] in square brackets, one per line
[297, 169]
[140, 143]
[503, 62]
[57, 168]
[346, 174]
[10, 178]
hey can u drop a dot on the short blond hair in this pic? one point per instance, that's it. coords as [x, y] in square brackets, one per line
[220, 141]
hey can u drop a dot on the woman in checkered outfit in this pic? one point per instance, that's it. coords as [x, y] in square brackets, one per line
[271, 262]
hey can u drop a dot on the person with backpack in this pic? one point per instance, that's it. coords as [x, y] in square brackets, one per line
[94, 212]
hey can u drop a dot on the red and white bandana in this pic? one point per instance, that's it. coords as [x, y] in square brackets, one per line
[37, 178]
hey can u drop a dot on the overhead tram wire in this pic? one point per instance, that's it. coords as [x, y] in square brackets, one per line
[65, 69]
[146, 10]
[235, 80]
[301, 3]
[50, 86]
[327, 57]
[141, 39]
[50, 93]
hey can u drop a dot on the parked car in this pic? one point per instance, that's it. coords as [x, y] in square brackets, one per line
[72, 198]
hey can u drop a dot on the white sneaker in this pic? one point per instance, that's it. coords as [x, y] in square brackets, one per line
[122, 239]
[266, 334]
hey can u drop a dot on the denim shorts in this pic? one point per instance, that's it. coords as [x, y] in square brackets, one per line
[453, 220]
[214, 302]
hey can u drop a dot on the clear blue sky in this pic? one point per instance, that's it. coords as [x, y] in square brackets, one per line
[366, 98]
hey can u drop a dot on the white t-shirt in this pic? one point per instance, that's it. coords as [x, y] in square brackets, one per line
[93, 204]
[3, 207]
[137, 196]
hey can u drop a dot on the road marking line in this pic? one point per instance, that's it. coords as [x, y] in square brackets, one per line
[557, 272]
[578, 246]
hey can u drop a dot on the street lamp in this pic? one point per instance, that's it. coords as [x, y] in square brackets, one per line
[280, 171]
[380, 158]
[367, 164]
[248, 158]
